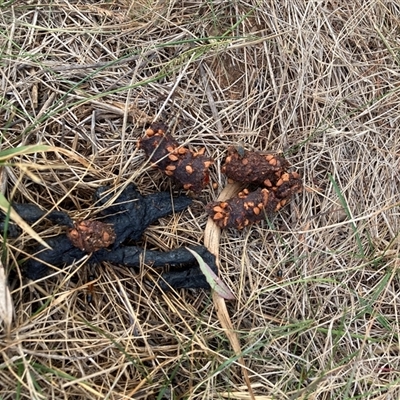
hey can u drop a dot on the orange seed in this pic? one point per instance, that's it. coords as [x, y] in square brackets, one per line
[173, 157]
[182, 150]
[285, 177]
[267, 183]
[149, 132]
[218, 216]
[273, 161]
[73, 233]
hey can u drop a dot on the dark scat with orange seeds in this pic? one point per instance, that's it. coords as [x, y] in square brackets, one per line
[269, 171]
[91, 235]
[289, 186]
[245, 209]
[253, 167]
[186, 167]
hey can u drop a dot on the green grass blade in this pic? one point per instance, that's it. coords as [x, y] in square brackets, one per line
[345, 206]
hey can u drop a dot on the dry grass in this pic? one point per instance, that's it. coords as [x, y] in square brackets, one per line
[318, 81]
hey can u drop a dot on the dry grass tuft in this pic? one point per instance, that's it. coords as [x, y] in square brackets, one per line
[318, 81]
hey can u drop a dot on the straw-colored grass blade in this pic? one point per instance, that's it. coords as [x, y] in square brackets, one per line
[213, 280]
[6, 304]
[212, 235]
[7, 154]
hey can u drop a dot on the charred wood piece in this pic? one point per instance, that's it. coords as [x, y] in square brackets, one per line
[131, 213]
[126, 219]
[31, 214]
[181, 262]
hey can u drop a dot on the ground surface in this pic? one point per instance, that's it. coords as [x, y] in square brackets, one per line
[316, 80]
